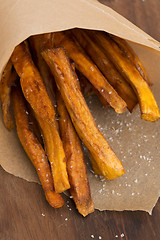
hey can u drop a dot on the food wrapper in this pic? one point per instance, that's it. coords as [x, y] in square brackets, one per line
[135, 141]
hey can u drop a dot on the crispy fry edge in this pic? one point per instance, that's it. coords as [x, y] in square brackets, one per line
[33, 149]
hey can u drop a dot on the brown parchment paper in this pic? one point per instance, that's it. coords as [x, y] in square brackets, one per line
[135, 141]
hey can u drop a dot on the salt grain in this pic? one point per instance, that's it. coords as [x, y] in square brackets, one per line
[118, 194]
[122, 235]
[43, 214]
[92, 236]
[100, 191]
[66, 219]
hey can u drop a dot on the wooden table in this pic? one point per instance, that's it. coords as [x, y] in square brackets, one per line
[24, 213]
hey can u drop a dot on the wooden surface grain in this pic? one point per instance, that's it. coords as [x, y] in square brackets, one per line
[24, 213]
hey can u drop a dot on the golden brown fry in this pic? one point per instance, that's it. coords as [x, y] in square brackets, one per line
[35, 93]
[85, 86]
[107, 68]
[148, 105]
[38, 43]
[89, 70]
[76, 168]
[82, 119]
[9, 77]
[34, 149]
[132, 56]
[56, 155]
[88, 89]
[32, 84]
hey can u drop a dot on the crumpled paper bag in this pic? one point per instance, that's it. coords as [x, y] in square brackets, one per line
[135, 141]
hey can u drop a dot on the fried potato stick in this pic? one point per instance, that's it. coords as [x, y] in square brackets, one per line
[37, 44]
[9, 77]
[56, 155]
[81, 117]
[148, 105]
[32, 83]
[34, 149]
[36, 94]
[76, 167]
[84, 64]
[96, 53]
[132, 56]
[88, 89]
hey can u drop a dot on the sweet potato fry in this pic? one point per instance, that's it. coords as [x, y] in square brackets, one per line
[37, 44]
[9, 77]
[36, 94]
[90, 71]
[56, 155]
[34, 149]
[76, 168]
[88, 89]
[32, 83]
[148, 105]
[81, 117]
[132, 56]
[107, 68]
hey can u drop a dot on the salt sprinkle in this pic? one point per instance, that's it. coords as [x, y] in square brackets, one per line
[92, 236]
[100, 191]
[136, 180]
[102, 90]
[43, 214]
[99, 237]
[116, 236]
[146, 174]
[110, 92]
[113, 191]
[133, 193]
[66, 219]
[118, 194]
[122, 234]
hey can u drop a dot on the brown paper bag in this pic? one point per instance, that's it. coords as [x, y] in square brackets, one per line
[135, 141]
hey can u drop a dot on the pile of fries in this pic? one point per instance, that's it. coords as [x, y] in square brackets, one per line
[46, 80]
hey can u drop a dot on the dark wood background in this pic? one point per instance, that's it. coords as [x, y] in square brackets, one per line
[22, 204]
